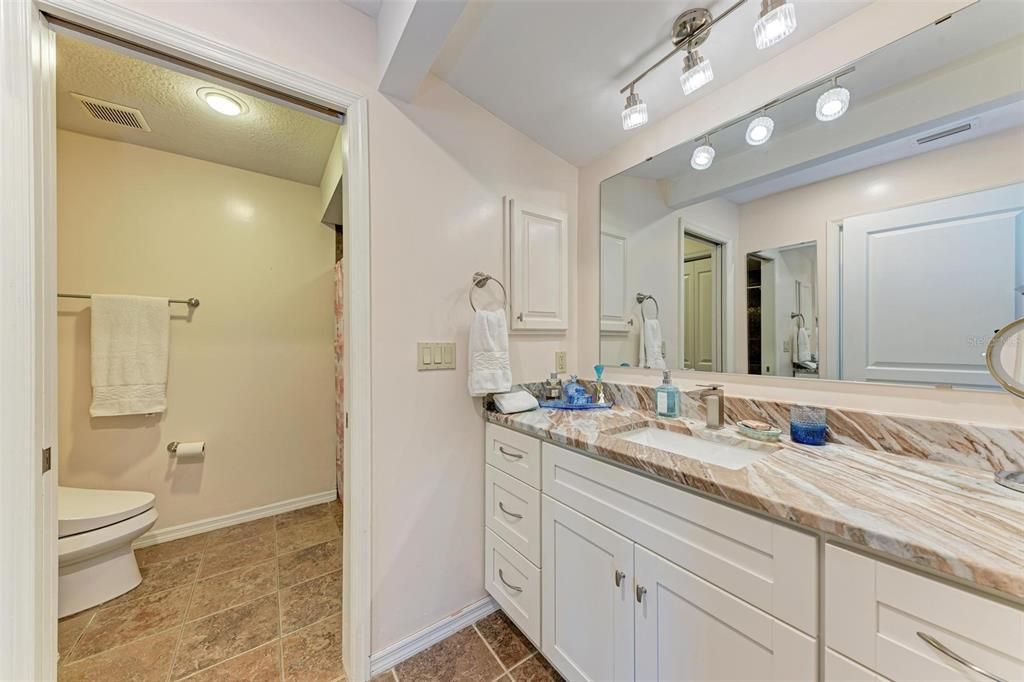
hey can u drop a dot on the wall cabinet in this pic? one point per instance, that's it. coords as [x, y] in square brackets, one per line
[634, 579]
[539, 265]
[615, 317]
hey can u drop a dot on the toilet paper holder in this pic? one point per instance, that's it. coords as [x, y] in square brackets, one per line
[191, 449]
[172, 447]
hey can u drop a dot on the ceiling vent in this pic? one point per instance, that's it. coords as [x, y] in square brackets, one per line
[113, 113]
[948, 132]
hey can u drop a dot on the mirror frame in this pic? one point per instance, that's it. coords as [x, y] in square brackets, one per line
[991, 352]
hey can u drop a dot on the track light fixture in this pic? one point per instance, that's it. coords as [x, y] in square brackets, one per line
[777, 20]
[833, 103]
[696, 72]
[760, 130]
[635, 113]
[703, 156]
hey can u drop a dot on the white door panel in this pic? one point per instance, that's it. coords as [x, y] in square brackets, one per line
[925, 286]
[540, 268]
[614, 315]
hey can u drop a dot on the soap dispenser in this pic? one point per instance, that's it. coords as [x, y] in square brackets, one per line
[667, 396]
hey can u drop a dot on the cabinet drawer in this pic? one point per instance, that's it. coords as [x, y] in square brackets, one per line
[765, 564]
[874, 612]
[839, 668]
[512, 511]
[514, 583]
[516, 454]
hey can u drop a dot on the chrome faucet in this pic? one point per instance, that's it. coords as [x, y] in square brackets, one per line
[713, 396]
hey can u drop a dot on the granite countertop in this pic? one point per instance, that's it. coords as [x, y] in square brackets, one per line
[951, 519]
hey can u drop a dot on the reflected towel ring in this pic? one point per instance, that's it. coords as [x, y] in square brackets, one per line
[641, 299]
[480, 280]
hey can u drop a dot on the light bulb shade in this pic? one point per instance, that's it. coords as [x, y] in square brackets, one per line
[635, 113]
[222, 102]
[832, 104]
[696, 73]
[702, 157]
[774, 24]
[760, 130]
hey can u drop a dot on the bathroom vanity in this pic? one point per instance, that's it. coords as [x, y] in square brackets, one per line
[623, 557]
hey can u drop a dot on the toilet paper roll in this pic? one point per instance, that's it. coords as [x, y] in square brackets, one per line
[194, 449]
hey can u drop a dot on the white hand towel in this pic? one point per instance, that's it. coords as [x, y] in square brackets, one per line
[650, 345]
[489, 368]
[130, 338]
[802, 344]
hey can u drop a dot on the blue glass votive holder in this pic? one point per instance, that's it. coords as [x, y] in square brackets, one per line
[807, 425]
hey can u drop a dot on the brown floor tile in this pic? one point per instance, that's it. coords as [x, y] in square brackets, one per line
[242, 531]
[309, 563]
[338, 512]
[304, 515]
[463, 656]
[161, 576]
[535, 669]
[143, 660]
[171, 550]
[313, 654]
[223, 635]
[221, 558]
[310, 601]
[232, 588]
[386, 676]
[258, 665]
[69, 628]
[300, 535]
[123, 623]
[508, 643]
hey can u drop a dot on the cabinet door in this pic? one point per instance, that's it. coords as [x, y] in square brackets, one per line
[688, 629]
[614, 302]
[587, 624]
[540, 268]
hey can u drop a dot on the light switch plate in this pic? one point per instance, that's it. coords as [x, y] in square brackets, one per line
[561, 363]
[435, 355]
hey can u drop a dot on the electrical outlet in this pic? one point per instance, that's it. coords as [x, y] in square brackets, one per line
[561, 363]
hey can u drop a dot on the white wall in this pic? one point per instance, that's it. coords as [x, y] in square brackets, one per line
[439, 167]
[251, 372]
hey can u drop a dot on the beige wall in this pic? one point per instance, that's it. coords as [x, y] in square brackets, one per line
[252, 373]
[439, 167]
[802, 214]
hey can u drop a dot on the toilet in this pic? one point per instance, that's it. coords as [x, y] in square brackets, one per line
[95, 532]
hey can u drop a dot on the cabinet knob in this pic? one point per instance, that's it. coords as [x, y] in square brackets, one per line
[619, 575]
[519, 317]
[641, 592]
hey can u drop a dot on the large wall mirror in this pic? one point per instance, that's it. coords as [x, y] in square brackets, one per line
[871, 230]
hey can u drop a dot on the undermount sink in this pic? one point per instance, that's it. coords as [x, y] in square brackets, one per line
[717, 451]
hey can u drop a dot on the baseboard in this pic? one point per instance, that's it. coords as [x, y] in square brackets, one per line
[204, 525]
[391, 656]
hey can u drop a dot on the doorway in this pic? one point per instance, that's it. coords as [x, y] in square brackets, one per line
[27, 57]
[702, 292]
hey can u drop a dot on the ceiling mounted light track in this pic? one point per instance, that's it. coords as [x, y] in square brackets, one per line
[760, 129]
[833, 103]
[703, 156]
[635, 113]
[691, 29]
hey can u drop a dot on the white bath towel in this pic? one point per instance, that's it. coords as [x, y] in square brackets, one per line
[650, 345]
[489, 368]
[130, 338]
[802, 345]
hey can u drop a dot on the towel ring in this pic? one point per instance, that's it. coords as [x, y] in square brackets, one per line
[480, 280]
[643, 298]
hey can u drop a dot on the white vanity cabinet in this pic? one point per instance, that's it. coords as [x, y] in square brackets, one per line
[874, 613]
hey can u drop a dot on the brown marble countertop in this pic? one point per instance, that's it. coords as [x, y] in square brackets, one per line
[951, 519]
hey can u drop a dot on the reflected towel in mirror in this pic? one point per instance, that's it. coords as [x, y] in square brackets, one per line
[650, 345]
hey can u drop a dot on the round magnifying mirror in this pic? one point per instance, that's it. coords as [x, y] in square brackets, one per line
[1005, 357]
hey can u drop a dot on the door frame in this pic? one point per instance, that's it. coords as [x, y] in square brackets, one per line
[23, 580]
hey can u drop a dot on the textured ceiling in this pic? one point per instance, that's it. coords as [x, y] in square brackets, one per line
[269, 138]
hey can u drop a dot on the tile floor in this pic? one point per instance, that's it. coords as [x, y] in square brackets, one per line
[490, 650]
[262, 601]
[257, 601]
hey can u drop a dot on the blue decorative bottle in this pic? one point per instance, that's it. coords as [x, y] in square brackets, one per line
[666, 397]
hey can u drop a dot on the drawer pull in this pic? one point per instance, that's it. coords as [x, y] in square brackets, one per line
[619, 575]
[501, 506]
[501, 576]
[513, 455]
[641, 592]
[942, 648]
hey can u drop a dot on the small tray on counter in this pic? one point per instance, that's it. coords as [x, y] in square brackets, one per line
[562, 405]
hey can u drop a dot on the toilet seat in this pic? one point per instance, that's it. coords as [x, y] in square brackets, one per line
[80, 510]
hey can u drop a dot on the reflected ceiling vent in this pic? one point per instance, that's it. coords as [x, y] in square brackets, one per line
[113, 113]
[955, 130]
